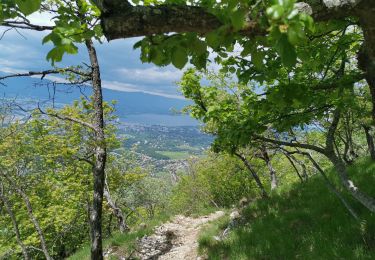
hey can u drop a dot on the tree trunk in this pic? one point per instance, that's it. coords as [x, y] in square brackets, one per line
[294, 166]
[15, 225]
[34, 220]
[273, 177]
[363, 198]
[340, 167]
[332, 188]
[366, 56]
[116, 211]
[253, 173]
[100, 156]
[370, 141]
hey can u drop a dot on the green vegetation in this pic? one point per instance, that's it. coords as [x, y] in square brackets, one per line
[123, 244]
[294, 97]
[305, 222]
[215, 181]
[174, 155]
[163, 143]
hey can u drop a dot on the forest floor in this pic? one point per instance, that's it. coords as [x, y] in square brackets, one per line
[177, 239]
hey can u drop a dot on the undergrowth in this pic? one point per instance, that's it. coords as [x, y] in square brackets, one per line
[124, 244]
[306, 222]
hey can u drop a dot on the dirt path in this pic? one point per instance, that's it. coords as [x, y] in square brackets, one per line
[176, 239]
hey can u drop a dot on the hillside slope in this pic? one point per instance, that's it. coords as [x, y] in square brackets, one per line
[305, 222]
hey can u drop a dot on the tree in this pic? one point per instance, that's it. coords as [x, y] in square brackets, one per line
[224, 108]
[45, 163]
[281, 48]
[283, 24]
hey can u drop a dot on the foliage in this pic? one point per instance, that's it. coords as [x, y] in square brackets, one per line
[42, 157]
[124, 244]
[287, 28]
[306, 222]
[215, 181]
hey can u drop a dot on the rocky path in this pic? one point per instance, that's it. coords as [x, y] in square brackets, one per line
[176, 239]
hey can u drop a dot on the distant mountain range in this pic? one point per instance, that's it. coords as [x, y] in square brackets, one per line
[134, 106]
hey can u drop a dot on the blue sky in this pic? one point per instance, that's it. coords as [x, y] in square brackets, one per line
[120, 65]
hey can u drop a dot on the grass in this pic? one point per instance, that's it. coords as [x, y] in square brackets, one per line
[122, 244]
[175, 155]
[306, 222]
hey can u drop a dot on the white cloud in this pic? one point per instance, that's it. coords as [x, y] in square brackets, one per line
[14, 49]
[126, 87]
[10, 70]
[41, 19]
[151, 75]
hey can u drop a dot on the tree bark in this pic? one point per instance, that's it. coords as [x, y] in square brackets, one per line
[361, 197]
[254, 174]
[15, 225]
[341, 169]
[332, 188]
[370, 141]
[116, 211]
[339, 165]
[294, 167]
[267, 160]
[136, 21]
[120, 19]
[100, 156]
[366, 56]
[32, 217]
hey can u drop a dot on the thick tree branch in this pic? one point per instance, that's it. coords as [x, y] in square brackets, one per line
[126, 22]
[298, 145]
[122, 20]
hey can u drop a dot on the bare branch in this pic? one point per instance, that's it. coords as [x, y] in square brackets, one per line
[26, 25]
[46, 72]
[290, 144]
[66, 118]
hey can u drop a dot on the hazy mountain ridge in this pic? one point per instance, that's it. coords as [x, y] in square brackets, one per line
[129, 103]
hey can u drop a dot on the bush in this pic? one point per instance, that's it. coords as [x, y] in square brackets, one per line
[215, 181]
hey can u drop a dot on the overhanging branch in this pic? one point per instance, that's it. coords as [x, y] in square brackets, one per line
[123, 20]
[298, 145]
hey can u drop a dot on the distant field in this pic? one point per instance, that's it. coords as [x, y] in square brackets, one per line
[177, 155]
[188, 147]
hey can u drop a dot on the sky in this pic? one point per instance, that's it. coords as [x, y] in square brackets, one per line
[121, 68]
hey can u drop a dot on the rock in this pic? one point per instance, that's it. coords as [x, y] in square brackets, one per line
[234, 215]
[235, 220]
[216, 238]
[142, 225]
[243, 202]
[303, 8]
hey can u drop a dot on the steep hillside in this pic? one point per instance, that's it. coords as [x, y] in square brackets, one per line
[305, 222]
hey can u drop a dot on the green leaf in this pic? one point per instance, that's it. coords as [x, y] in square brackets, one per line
[286, 51]
[28, 6]
[275, 12]
[257, 59]
[296, 34]
[138, 44]
[213, 39]
[55, 55]
[238, 19]
[199, 47]
[1, 13]
[179, 57]
[156, 56]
